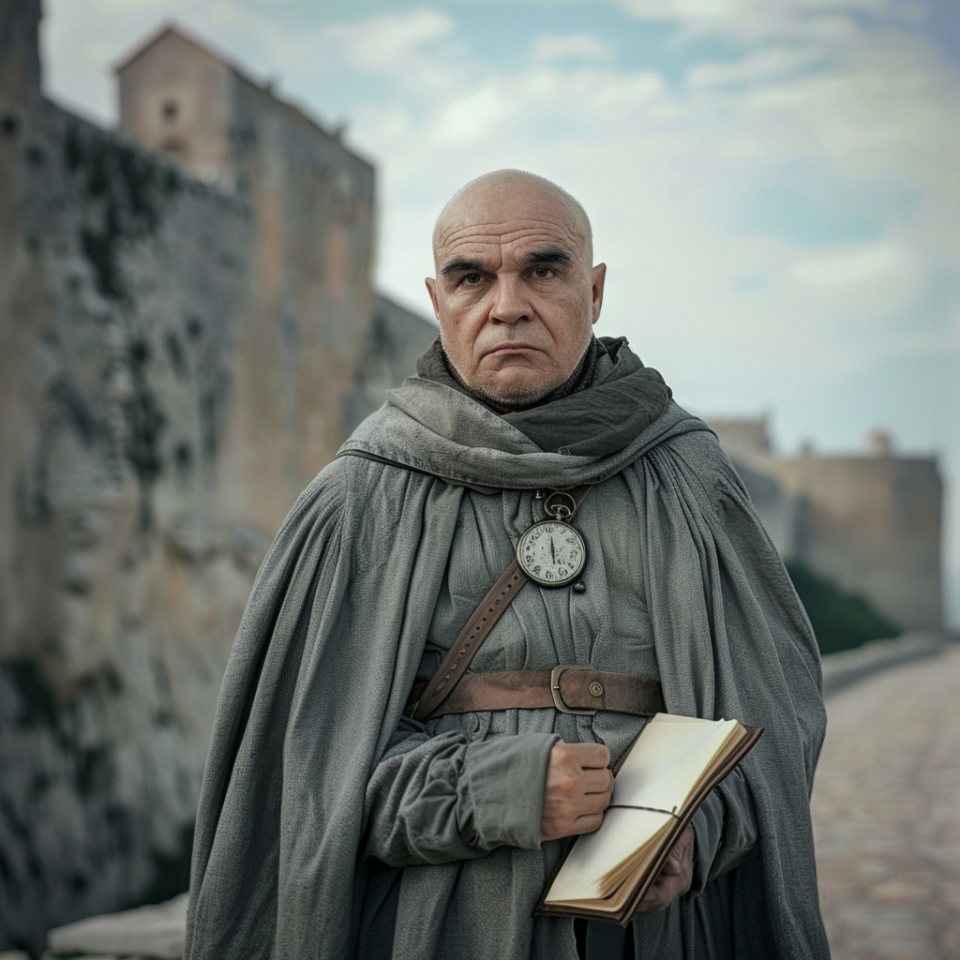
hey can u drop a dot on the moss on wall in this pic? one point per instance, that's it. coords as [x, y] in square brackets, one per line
[133, 189]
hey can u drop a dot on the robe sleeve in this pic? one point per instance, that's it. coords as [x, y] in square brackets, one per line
[726, 830]
[444, 798]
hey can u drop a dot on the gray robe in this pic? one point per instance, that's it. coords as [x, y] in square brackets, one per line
[327, 820]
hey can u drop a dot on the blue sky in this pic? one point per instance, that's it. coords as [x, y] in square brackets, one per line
[773, 183]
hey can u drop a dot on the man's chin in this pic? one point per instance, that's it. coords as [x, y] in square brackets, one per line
[513, 392]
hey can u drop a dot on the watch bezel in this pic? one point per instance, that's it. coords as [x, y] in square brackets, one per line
[566, 581]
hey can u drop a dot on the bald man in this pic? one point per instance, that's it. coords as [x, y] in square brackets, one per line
[417, 714]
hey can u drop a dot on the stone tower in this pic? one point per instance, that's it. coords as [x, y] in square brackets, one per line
[311, 203]
[873, 525]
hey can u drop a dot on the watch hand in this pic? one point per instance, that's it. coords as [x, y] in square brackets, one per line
[553, 553]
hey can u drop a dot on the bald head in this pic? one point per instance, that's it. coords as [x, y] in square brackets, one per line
[516, 293]
[496, 197]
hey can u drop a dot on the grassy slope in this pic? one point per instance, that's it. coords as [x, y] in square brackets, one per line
[840, 620]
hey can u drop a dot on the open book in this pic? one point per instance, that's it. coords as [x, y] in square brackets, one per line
[667, 773]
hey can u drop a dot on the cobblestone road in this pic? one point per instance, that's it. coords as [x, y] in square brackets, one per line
[886, 813]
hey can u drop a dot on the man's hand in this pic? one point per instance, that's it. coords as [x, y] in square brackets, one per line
[578, 789]
[675, 876]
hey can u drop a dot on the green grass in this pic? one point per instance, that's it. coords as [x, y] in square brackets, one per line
[841, 620]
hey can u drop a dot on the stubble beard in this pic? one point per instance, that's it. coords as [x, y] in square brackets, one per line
[520, 395]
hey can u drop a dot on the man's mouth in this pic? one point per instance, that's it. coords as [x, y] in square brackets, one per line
[513, 346]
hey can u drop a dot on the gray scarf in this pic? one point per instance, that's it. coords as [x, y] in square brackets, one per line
[607, 401]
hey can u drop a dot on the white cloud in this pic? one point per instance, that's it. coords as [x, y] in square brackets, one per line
[626, 92]
[758, 17]
[853, 266]
[388, 41]
[761, 66]
[579, 46]
[474, 116]
[117, 6]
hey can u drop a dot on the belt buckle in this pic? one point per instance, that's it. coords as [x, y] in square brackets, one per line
[558, 701]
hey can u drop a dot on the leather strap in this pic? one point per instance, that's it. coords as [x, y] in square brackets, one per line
[466, 645]
[475, 631]
[572, 689]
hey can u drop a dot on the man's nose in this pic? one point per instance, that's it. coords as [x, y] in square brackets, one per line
[510, 304]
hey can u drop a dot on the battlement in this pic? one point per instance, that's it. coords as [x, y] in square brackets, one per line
[19, 51]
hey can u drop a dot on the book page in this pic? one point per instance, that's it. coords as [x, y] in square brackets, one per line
[668, 761]
[661, 772]
[594, 855]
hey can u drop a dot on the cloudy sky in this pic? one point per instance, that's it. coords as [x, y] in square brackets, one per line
[773, 183]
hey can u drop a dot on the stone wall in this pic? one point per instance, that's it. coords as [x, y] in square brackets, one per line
[124, 568]
[179, 355]
[311, 298]
[397, 338]
[871, 523]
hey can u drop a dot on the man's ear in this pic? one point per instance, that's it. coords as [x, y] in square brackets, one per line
[432, 290]
[599, 278]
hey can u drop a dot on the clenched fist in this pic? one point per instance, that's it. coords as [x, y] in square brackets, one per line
[578, 789]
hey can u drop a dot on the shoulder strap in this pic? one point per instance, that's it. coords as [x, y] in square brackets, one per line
[477, 629]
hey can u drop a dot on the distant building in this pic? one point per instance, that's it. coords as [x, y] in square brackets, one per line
[190, 329]
[872, 523]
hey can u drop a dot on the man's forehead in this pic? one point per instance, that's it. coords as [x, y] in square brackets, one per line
[508, 233]
[512, 211]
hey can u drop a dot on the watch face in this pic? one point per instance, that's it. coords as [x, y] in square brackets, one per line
[551, 553]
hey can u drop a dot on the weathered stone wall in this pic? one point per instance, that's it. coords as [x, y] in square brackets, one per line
[872, 523]
[123, 572]
[178, 358]
[397, 338]
[782, 514]
[19, 54]
[311, 295]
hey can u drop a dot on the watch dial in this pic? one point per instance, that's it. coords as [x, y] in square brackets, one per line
[551, 552]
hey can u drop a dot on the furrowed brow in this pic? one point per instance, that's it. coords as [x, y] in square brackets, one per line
[549, 255]
[461, 265]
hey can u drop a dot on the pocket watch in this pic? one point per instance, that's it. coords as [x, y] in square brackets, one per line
[551, 552]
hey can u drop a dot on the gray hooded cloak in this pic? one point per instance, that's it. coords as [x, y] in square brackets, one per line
[332, 827]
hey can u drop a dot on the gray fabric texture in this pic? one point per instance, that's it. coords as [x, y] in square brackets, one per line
[609, 400]
[331, 827]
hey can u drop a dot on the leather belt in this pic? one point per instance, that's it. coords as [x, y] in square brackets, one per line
[569, 688]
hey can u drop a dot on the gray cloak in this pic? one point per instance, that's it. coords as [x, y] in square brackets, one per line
[325, 817]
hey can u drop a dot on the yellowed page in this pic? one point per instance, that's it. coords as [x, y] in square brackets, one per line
[669, 759]
[661, 772]
[594, 855]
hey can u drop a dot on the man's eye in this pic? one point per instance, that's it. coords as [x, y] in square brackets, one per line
[541, 273]
[471, 278]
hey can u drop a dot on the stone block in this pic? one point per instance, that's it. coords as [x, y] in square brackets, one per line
[154, 932]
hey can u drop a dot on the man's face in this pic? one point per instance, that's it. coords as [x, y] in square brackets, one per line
[515, 293]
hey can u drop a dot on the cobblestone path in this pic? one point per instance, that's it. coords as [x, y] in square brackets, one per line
[886, 813]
